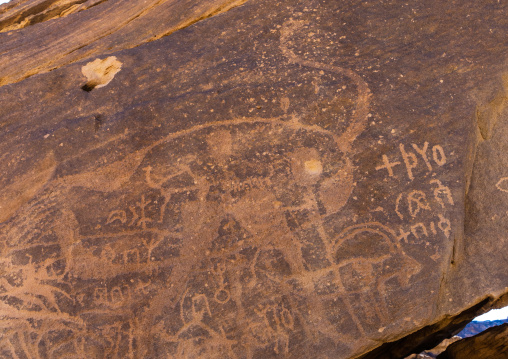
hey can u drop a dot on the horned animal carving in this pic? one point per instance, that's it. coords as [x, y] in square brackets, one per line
[217, 243]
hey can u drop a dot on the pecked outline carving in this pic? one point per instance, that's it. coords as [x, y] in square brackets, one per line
[277, 333]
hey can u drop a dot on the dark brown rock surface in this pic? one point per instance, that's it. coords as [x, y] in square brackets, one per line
[314, 179]
[37, 36]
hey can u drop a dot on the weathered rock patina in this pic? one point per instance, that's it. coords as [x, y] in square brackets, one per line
[283, 179]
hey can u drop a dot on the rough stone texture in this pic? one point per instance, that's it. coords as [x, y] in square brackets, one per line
[434, 352]
[490, 344]
[105, 26]
[284, 179]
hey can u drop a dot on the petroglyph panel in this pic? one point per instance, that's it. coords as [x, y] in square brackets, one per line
[257, 209]
[223, 224]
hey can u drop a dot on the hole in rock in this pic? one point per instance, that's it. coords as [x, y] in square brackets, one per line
[99, 72]
[88, 87]
[485, 321]
[494, 314]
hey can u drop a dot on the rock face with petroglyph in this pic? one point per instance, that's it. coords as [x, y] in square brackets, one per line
[250, 179]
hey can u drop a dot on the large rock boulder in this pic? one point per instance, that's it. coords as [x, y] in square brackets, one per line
[273, 179]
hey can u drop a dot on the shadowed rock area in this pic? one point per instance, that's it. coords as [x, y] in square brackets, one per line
[490, 344]
[434, 352]
[250, 179]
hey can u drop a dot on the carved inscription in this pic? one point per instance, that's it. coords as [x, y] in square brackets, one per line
[411, 162]
[408, 206]
[221, 243]
[424, 208]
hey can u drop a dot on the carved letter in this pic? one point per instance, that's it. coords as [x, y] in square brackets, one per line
[388, 165]
[442, 160]
[397, 203]
[132, 256]
[100, 294]
[423, 153]
[286, 318]
[118, 215]
[403, 235]
[417, 200]
[410, 161]
[442, 190]
[116, 295]
[445, 225]
[414, 230]
[433, 228]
